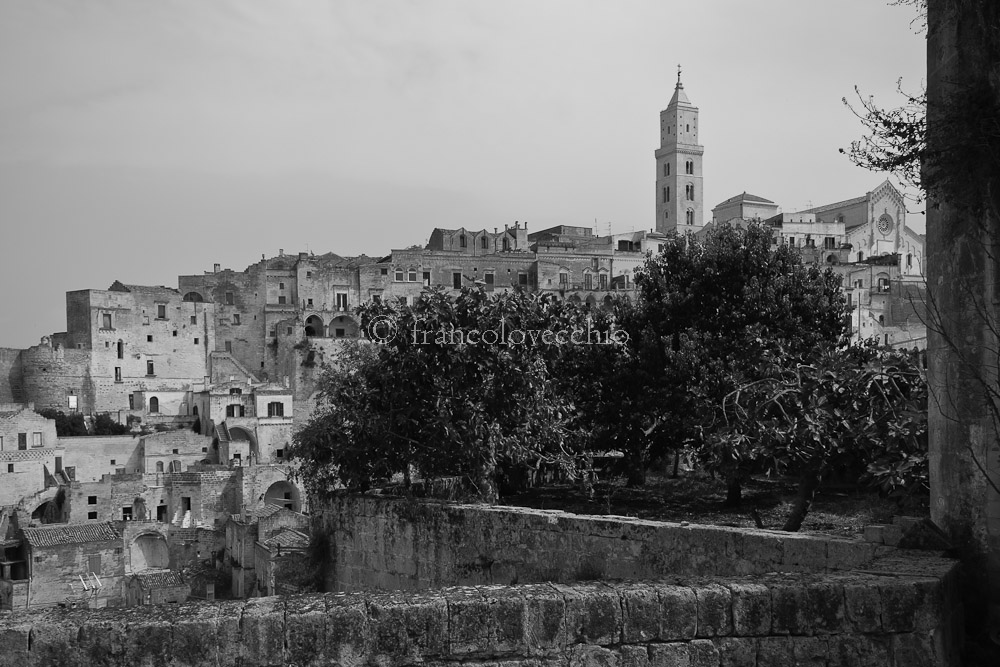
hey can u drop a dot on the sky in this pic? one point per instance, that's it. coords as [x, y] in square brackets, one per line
[145, 139]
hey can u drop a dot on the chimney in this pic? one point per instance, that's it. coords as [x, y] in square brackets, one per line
[216, 268]
[281, 252]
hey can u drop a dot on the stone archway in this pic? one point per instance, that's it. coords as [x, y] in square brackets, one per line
[314, 326]
[344, 326]
[240, 434]
[47, 512]
[285, 494]
[149, 551]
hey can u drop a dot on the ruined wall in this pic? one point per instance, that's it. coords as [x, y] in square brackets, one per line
[52, 374]
[770, 620]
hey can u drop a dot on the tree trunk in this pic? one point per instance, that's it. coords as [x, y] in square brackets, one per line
[677, 464]
[808, 484]
[734, 492]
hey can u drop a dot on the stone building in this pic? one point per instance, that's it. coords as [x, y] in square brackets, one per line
[155, 587]
[82, 564]
[744, 207]
[31, 461]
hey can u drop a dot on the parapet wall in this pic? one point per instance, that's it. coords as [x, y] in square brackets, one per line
[736, 621]
[386, 543]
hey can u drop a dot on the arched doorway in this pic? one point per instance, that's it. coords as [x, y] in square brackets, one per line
[240, 434]
[314, 326]
[193, 297]
[149, 551]
[284, 494]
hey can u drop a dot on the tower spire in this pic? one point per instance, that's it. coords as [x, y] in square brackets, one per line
[679, 84]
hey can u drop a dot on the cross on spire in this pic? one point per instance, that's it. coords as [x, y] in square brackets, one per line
[678, 74]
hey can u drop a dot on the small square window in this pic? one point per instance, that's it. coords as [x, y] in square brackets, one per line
[281, 300]
[399, 276]
[91, 515]
[10, 467]
[280, 453]
[236, 318]
[91, 500]
[309, 274]
[175, 333]
[194, 319]
[176, 451]
[412, 277]
[149, 338]
[195, 341]
[288, 331]
[204, 449]
[229, 298]
[281, 285]
[339, 333]
[106, 321]
[385, 272]
[161, 311]
[309, 302]
[113, 462]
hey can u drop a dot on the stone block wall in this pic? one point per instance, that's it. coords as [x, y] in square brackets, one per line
[732, 621]
[391, 543]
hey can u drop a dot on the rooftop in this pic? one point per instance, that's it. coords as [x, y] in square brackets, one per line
[57, 535]
[151, 579]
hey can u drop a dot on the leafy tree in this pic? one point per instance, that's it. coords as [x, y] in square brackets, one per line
[66, 425]
[708, 312]
[433, 399]
[105, 425]
[859, 408]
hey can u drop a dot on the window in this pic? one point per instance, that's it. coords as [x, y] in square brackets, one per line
[194, 319]
[280, 453]
[235, 391]
[563, 279]
[106, 321]
[484, 243]
[849, 298]
[309, 303]
[588, 281]
[506, 243]
[10, 467]
[276, 409]
[666, 169]
[829, 243]
[427, 278]
[131, 401]
[176, 451]
[666, 197]
[22, 440]
[602, 281]
[456, 280]
[461, 240]
[689, 217]
[412, 276]
[91, 515]
[791, 241]
[339, 333]
[175, 333]
[229, 346]
[159, 466]
[309, 274]
[149, 368]
[236, 411]
[687, 128]
[861, 256]
[488, 278]
[70, 402]
[385, 272]
[288, 331]
[149, 338]
[236, 318]
[281, 285]
[229, 298]
[909, 261]
[36, 439]
[522, 279]
[94, 563]
[154, 404]
[341, 301]
[881, 320]
[399, 275]
[666, 215]
[195, 341]
[112, 462]
[281, 300]
[161, 311]
[126, 514]
[118, 373]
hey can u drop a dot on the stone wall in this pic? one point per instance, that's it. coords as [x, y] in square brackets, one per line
[390, 543]
[862, 619]
[11, 376]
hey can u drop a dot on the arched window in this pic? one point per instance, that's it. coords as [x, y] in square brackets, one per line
[159, 466]
[881, 320]
[690, 217]
[909, 261]
[194, 410]
[666, 215]
[154, 404]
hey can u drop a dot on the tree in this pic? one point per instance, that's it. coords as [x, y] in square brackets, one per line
[456, 387]
[71, 425]
[858, 408]
[707, 312]
[105, 425]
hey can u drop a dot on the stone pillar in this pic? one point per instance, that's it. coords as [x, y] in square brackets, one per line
[963, 182]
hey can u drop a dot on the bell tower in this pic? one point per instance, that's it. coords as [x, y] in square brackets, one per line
[678, 166]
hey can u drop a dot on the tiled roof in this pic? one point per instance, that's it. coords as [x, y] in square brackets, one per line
[267, 510]
[151, 579]
[288, 539]
[52, 536]
[746, 197]
[839, 204]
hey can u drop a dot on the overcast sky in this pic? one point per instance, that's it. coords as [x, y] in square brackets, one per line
[143, 139]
